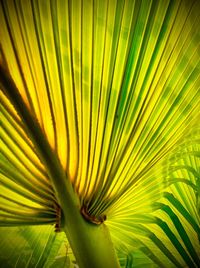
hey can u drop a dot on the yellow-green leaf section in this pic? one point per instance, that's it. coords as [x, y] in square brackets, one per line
[115, 88]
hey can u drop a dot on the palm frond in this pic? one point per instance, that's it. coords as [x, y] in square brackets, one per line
[26, 193]
[169, 234]
[115, 89]
[33, 247]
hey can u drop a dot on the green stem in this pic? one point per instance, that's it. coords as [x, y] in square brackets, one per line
[90, 243]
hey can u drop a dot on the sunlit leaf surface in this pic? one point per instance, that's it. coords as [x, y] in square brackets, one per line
[115, 87]
[34, 247]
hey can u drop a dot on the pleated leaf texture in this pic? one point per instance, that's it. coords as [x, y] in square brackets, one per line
[115, 88]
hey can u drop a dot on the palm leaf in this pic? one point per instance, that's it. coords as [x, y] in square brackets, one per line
[114, 88]
[33, 247]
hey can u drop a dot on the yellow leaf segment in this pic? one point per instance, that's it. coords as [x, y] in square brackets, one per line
[90, 243]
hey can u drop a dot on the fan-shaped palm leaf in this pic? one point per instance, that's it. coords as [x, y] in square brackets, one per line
[100, 102]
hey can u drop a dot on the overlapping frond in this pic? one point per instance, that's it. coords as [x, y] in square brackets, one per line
[169, 235]
[34, 247]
